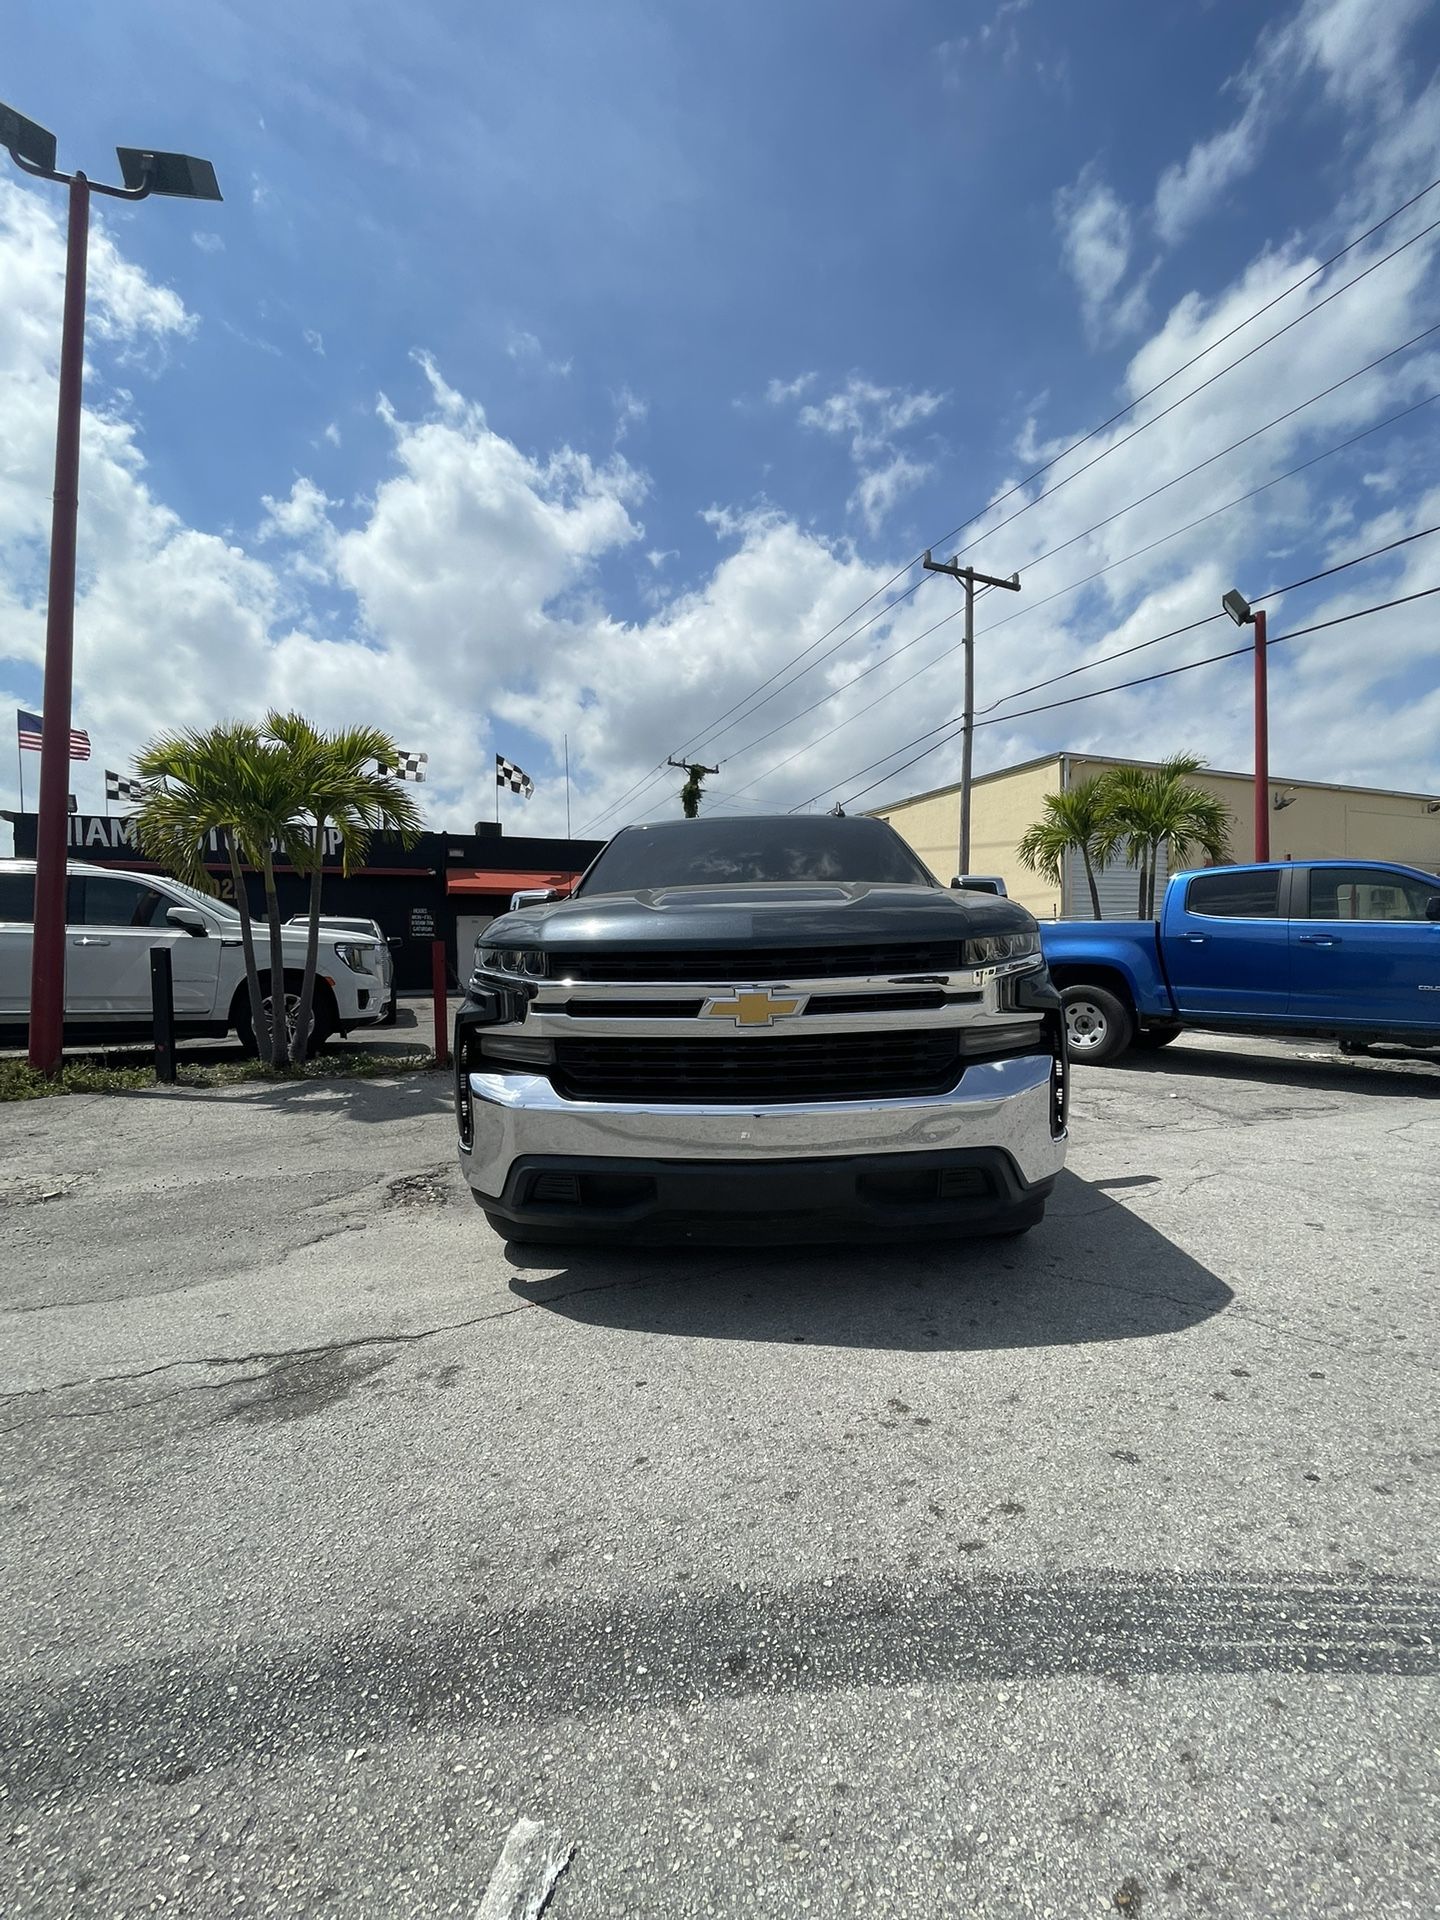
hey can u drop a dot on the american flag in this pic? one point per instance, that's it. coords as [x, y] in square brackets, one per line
[29, 728]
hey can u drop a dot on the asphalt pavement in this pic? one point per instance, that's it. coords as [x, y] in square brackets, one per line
[1087, 1574]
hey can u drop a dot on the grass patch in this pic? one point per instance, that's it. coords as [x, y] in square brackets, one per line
[19, 1082]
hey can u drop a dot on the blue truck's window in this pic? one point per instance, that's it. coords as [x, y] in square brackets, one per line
[1234, 894]
[1367, 893]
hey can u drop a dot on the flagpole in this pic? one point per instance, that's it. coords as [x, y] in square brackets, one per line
[567, 786]
[497, 796]
[20, 762]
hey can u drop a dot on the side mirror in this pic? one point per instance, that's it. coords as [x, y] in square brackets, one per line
[532, 897]
[1432, 907]
[191, 919]
[394, 942]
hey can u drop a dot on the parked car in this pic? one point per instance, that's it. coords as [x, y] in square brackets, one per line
[370, 930]
[763, 1029]
[113, 919]
[1347, 950]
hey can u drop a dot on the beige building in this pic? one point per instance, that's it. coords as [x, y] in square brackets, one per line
[1308, 820]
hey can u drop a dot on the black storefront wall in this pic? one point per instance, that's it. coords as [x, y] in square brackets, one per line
[403, 889]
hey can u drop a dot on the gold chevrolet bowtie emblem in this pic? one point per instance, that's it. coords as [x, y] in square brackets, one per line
[757, 1008]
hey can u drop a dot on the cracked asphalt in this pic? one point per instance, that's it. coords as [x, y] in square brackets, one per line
[1087, 1574]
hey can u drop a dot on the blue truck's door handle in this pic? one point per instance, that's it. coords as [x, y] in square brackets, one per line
[1318, 940]
[1197, 939]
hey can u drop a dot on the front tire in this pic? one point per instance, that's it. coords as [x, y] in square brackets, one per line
[322, 1015]
[1098, 1025]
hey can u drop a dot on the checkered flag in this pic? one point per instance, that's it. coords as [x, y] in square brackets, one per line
[410, 766]
[507, 774]
[117, 787]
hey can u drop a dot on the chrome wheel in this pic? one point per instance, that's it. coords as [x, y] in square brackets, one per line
[1086, 1026]
[292, 1014]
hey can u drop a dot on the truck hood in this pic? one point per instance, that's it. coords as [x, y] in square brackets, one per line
[779, 915]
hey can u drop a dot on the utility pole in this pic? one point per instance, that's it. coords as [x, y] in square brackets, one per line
[967, 576]
[694, 775]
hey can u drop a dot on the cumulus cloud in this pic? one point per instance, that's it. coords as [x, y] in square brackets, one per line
[1096, 241]
[462, 599]
[778, 392]
[208, 242]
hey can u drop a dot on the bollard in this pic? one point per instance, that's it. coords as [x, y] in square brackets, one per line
[162, 1001]
[442, 1007]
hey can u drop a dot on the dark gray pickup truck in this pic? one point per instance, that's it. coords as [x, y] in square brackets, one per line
[760, 1030]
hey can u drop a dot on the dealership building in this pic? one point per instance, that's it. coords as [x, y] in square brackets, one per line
[1309, 820]
[445, 886]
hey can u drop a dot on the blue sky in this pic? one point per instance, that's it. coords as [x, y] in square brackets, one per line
[569, 369]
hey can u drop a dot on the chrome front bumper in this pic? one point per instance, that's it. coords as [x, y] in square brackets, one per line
[999, 1104]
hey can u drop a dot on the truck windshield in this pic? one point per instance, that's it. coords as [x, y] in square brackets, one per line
[720, 853]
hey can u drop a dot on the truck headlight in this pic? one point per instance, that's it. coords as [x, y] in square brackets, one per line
[529, 961]
[356, 958]
[991, 948]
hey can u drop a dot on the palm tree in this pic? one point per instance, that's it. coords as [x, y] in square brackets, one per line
[197, 784]
[335, 784]
[1154, 807]
[1073, 822]
[229, 781]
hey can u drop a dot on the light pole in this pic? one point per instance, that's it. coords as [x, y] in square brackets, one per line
[1241, 612]
[32, 149]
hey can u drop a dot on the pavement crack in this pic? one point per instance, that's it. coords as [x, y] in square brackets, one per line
[272, 1357]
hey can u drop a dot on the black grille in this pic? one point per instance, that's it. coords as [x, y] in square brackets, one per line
[760, 1067]
[730, 964]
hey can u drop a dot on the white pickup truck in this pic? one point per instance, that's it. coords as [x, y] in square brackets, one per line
[113, 919]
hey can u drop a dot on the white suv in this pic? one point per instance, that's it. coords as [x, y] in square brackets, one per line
[338, 923]
[113, 919]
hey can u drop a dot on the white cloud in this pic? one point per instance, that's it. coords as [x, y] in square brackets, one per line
[1354, 47]
[630, 411]
[463, 597]
[881, 487]
[315, 340]
[260, 192]
[526, 350]
[778, 392]
[1096, 241]
[871, 418]
[332, 434]
[208, 242]
[1188, 191]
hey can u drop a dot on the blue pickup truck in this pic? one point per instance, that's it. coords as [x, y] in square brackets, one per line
[1344, 949]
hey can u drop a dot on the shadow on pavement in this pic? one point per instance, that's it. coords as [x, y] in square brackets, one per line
[1396, 1075]
[1092, 1271]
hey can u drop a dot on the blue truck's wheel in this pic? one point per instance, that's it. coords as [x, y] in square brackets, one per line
[1098, 1026]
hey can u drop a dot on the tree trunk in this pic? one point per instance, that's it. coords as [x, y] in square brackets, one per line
[279, 1030]
[247, 947]
[1090, 879]
[1140, 898]
[1150, 880]
[312, 952]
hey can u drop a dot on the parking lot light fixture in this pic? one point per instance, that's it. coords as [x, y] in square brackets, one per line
[32, 148]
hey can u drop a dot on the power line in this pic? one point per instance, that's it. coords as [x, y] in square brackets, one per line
[706, 733]
[1139, 646]
[1230, 366]
[1035, 605]
[1165, 673]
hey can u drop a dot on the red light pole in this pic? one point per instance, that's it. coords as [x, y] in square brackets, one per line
[1262, 739]
[1241, 612]
[32, 149]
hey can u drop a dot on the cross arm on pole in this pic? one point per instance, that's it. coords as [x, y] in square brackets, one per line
[957, 572]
